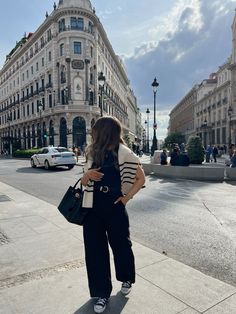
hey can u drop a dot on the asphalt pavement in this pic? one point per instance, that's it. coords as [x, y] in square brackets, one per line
[42, 269]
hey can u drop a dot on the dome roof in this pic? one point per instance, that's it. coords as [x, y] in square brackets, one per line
[84, 4]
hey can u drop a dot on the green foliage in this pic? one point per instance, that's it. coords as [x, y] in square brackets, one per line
[174, 138]
[127, 141]
[25, 153]
[195, 150]
[18, 44]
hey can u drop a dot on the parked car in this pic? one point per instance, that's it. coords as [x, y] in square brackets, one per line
[49, 157]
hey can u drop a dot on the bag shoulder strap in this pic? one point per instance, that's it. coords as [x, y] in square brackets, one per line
[77, 183]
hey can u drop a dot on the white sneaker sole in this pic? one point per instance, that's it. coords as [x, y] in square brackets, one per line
[99, 310]
[125, 292]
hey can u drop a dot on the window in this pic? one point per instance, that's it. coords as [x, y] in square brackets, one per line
[77, 47]
[90, 27]
[80, 23]
[61, 25]
[61, 49]
[36, 47]
[77, 23]
[91, 51]
[37, 66]
[50, 100]
[49, 56]
[32, 108]
[49, 34]
[73, 22]
[32, 70]
[31, 52]
[42, 42]
[42, 62]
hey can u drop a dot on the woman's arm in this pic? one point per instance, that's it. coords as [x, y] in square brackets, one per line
[138, 183]
[91, 174]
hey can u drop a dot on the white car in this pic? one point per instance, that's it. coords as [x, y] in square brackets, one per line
[49, 157]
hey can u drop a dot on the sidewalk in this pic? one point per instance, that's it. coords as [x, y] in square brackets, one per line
[42, 269]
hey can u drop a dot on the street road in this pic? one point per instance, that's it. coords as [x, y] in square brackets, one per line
[192, 222]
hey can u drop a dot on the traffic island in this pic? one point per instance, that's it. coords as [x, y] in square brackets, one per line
[192, 172]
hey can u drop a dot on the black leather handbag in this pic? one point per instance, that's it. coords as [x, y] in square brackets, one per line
[71, 205]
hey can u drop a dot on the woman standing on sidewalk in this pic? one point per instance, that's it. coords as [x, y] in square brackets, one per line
[113, 176]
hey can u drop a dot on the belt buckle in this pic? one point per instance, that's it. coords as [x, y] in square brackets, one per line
[104, 189]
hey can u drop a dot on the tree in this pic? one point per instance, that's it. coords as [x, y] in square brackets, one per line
[174, 138]
[127, 141]
[195, 150]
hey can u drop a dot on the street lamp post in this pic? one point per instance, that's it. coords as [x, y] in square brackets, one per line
[9, 133]
[101, 81]
[40, 108]
[155, 84]
[230, 111]
[147, 112]
[145, 145]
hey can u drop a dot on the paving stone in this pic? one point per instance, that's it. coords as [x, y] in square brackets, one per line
[187, 284]
[227, 306]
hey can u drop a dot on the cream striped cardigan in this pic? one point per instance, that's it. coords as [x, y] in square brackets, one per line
[128, 164]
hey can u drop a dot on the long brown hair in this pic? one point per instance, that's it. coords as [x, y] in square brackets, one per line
[106, 136]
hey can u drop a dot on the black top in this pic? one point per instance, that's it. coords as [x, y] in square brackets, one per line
[111, 177]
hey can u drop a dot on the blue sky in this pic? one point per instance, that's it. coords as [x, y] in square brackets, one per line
[179, 41]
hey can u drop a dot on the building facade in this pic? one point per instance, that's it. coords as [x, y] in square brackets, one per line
[182, 115]
[211, 109]
[49, 88]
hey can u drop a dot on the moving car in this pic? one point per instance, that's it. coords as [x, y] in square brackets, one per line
[49, 157]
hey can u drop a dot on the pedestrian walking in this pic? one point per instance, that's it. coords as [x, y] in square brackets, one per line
[112, 177]
[174, 156]
[233, 160]
[208, 153]
[214, 152]
[163, 157]
[231, 150]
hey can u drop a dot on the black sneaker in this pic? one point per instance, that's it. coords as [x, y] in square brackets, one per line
[100, 305]
[126, 287]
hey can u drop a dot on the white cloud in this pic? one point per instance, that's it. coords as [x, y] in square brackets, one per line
[197, 40]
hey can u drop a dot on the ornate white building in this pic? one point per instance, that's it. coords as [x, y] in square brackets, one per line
[49, 89]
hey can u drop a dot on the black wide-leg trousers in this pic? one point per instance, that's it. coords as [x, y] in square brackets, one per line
[107, 223]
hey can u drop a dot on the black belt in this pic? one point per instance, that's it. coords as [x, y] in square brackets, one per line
[106, 189]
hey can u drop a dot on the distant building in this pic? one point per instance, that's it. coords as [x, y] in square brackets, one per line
[182, 115]
[49, 89]
[210, 111]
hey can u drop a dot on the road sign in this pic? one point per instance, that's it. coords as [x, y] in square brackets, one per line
[154, 126]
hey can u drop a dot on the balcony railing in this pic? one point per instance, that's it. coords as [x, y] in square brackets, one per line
[49, 85]
[41, 89]
[225, 100]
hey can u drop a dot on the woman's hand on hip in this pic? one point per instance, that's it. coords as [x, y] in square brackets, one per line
[122, 199]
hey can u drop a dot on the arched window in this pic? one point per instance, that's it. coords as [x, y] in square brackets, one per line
[63, 132]
[79, 132]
